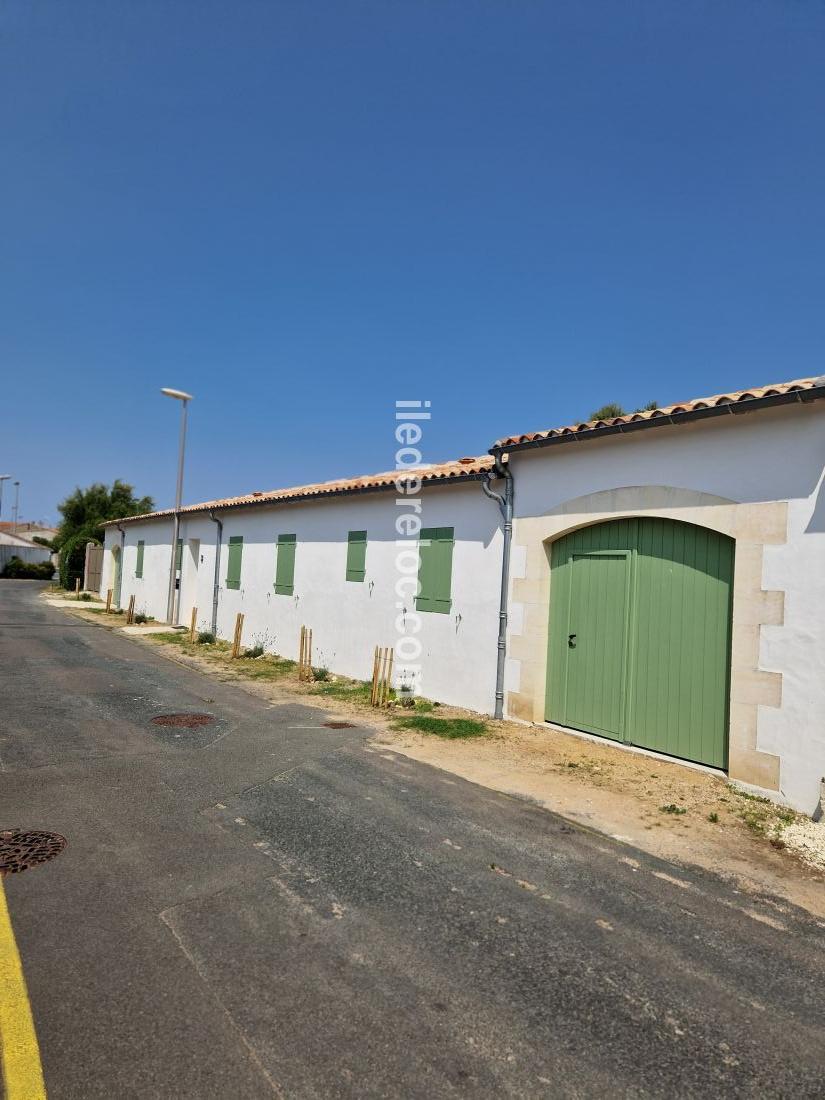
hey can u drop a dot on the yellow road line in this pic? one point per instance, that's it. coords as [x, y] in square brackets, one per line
[19, 1053]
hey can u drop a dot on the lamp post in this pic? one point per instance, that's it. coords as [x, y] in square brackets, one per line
[3, 477]
[16, 505]
[184, 399]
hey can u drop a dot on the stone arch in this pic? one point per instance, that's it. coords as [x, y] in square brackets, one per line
[117, 574]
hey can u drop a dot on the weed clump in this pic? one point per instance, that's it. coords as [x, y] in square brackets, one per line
[451, 728]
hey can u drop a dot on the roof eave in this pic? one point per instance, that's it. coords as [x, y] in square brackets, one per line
[302, 498]
[734, 408]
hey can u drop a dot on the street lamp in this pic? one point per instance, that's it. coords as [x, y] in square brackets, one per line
[16, 505]
[184, 399]
[3, 477]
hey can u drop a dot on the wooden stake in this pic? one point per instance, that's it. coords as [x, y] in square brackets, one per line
[374, 676]
[305, 654]
[382, 662]
[236, 641]
[108, 599]
[383, 684]
[382, 672]
[192, 625]
[77, 588]
[388, 681]
[130, 613]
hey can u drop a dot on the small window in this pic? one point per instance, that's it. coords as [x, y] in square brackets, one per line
[285, 565]
[233, 569]
[356, 555]
[139, 564]
[435, 569]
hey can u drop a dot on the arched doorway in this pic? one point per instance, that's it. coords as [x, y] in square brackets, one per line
[640, 626]
[117, 574]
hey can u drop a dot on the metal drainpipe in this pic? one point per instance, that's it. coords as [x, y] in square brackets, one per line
[120, 566]
[217, 583]
[505, 503]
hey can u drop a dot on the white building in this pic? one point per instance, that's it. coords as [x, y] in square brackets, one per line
[327, 556]
[14, 545]
[665, 589]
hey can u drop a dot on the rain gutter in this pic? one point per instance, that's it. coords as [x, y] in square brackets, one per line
[216, 586]
[505, 504]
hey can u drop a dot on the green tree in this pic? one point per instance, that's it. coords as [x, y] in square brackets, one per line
[84, 512]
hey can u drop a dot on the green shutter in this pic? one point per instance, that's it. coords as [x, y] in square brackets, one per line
[285, 565]
[356, 555]
[233, 569]
[178, 555]
[139, 566]
[435, 569]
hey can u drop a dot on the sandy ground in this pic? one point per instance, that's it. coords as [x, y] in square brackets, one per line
[624, 794]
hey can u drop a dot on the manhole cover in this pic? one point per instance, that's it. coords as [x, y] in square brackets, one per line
[339, 725]
[189, 721]
[20, 850]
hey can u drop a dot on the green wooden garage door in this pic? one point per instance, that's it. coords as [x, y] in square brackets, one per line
[639, 647]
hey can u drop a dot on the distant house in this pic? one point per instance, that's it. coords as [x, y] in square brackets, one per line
[27, 530]
[20, 546]
[666, 585]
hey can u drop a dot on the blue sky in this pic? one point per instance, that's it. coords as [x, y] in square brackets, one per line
[302, 211]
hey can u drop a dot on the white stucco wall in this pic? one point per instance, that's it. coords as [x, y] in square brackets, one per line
[775, 455]
[348, 619]
[753, 459]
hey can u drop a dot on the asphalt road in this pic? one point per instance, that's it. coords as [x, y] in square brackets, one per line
[265, 906]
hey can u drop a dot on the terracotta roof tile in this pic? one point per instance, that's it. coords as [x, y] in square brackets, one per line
[695, 405]
[462, 469]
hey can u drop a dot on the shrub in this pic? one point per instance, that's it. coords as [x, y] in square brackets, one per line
[206, 637]
[254, 651]
[141, 617]
[72, 559]
[608, 412]
[16, 568]
[321, 674]
[85, 596]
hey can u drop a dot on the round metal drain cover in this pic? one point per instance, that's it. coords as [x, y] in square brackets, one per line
[189, 721]
[339, 725]
[21, 849]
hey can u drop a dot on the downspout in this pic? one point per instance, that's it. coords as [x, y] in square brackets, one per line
[505, 503]
[120, 563]
[217, 582]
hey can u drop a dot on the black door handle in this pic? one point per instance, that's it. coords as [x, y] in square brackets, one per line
[571, 640]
